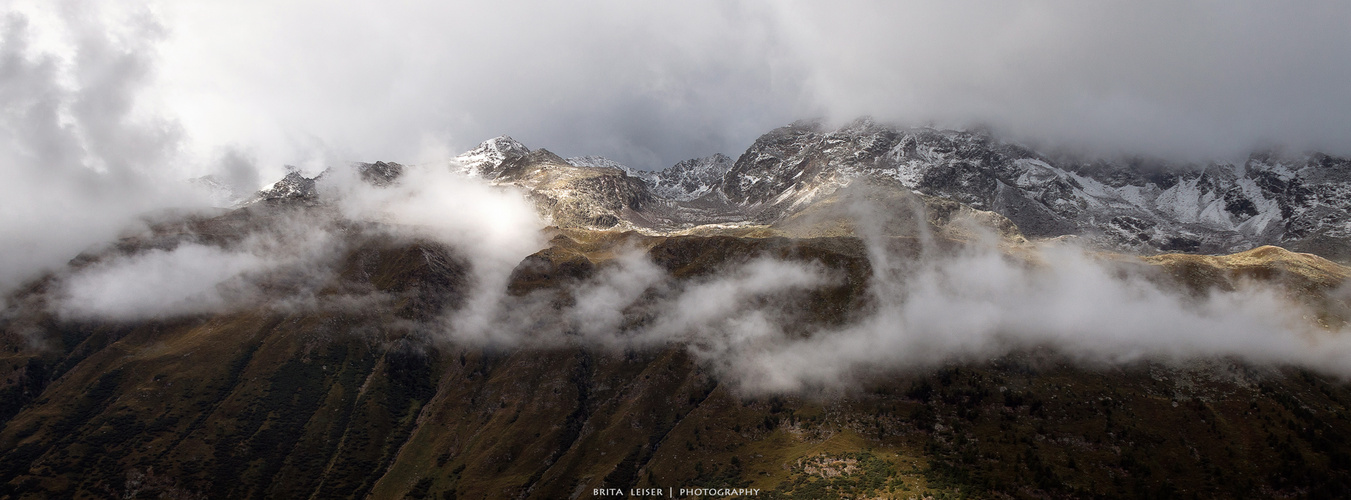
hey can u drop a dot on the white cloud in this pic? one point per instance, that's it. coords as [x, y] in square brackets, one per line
[493, 227]
[103, 110]
[291, 256]
[107, 106]
[189, 279]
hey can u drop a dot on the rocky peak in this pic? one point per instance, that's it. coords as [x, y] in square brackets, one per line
[690, 179]
[295, 187]
[1133, 204]
[380, 173]
[592, 161]
[684, 181]
[486, 159]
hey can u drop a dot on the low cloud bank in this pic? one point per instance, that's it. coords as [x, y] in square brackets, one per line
[192, 278]
[746, 321]
[971, 304]
[285, 256]
[280, 262]
[493, 227]
[980, 304]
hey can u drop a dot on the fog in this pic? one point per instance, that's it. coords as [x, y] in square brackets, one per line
[981, 305]
[745, 321]
[971, 305]
[284, 258]
[106, 110]
[106, 107]
[293, 257]
[493, 227]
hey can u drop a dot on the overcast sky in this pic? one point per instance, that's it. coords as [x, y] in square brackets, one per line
[102, 102]
[649, 85]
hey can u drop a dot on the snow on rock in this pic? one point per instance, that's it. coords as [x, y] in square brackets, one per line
[489, 155]
[1302, 202]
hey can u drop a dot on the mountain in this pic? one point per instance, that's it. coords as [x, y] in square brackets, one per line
[684, 181]
[1297, 201]
[1132, 205]
[489, 156]
[640, 342]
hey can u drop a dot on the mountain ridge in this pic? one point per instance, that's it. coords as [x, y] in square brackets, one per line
[633, 340]
[1302, 202]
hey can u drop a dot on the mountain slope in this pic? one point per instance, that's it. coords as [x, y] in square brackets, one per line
[349, 402]
[342, 365]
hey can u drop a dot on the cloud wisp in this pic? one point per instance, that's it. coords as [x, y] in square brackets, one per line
[281, 257]
[105, 108]
[939, 306]
[104, 111]
[281, 264]
[972, 302]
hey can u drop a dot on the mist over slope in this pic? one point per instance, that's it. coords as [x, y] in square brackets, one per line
[1082, 251]
[518, 324]
[964, 238]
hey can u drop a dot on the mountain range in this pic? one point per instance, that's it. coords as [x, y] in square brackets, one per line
[633, 342]
[1299, 202]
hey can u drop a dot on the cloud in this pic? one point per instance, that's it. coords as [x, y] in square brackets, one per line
[279, 263]
[190, 279]
[598, 313]
[107, 106]
[927, 308]
[104, 110]
[493, 227]
[650, 85]
[284, 256]
[982, 304]
[646, 84]
[78, 162]
[703, 310]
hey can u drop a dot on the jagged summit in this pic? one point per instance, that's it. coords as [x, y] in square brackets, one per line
[1297, 201]
[380, 173]
[1301, 202]
[491, 154]
[684, 181]
[602, 162]
[692, 178]
[294, 187]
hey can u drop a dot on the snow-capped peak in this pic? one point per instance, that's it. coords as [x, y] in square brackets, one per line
[490, 154]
